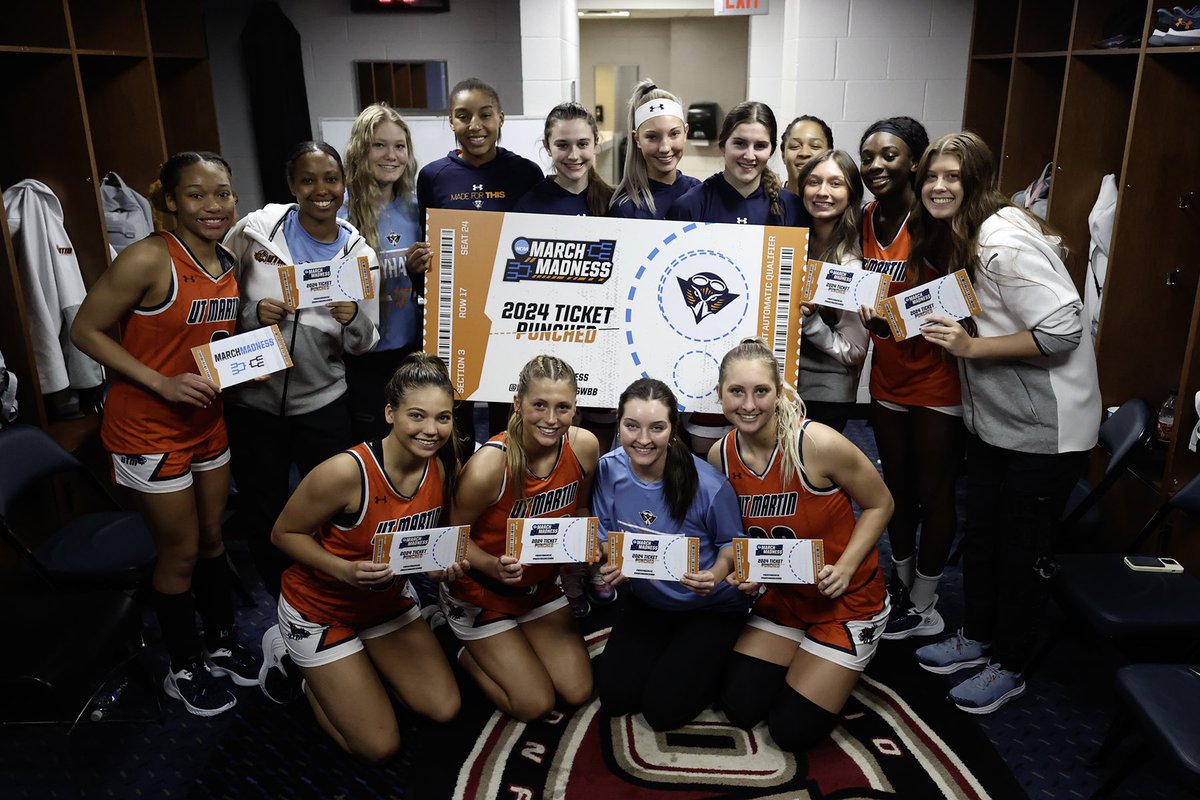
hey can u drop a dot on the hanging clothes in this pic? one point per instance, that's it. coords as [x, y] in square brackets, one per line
[1100, 225]
[51, 284]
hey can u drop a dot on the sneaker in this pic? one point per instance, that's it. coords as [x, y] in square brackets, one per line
[601, 591]
[1184, 28]
[905, 620]
[274, 678]
[952, 654]
[235, 661]
[987, 690]
[195, 686]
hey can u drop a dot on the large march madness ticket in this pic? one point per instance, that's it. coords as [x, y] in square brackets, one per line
[617, 299]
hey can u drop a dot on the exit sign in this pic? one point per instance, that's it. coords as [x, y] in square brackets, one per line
[728, 8]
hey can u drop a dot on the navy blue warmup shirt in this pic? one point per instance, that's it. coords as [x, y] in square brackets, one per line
[548, 197]
[665, 195]
[451, 182]
[716, 201]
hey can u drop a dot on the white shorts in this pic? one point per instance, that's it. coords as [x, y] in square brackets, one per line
[865, 634]
[470, 622]
[162, 473]
[307, 642]
[951, 411]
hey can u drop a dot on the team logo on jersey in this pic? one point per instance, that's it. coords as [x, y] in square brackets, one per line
[133, 461]
[212, 309]
[782, 504]
[648, 517]
[393, 238]
[546, 502]
[265, 257]
[479, 204]
[705, 293]
[413, 522]
[893, 269]
[560, 260]
[296, 633]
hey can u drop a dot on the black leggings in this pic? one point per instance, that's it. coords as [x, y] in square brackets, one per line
[757, 690]
[665, 664]
[921, 450]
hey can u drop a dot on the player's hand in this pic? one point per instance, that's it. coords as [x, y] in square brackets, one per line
[367, 574]
[807, 309]
[416, 258]
[947, 333]
[188, 388]
[272, 311]
[451, 573]
[509, 570]
[343, 311]
[873, 322]
[611, 574]
[832, 580]
[748, 588]
[699, 582]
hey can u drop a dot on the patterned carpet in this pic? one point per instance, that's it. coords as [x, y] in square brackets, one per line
[1045, 738]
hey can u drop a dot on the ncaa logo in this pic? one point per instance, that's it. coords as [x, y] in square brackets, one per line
[520, 247]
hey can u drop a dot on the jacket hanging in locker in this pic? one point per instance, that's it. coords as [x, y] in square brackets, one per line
[127, 215]
[51, 284]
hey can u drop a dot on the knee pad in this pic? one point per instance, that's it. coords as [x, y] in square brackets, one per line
[751, 687]
[798, 723]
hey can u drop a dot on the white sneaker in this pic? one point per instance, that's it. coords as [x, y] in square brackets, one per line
[908, 621]
[273, 677]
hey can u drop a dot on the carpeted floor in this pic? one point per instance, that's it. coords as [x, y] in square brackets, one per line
[260, 750]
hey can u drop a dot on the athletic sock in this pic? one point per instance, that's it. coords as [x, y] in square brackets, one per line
[904, 569]
[177, 621]
[212, 581]
[923, 590]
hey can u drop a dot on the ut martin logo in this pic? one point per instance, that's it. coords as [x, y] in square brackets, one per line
[560, 260]
[705, 294]
[648, 517]
[393, 238]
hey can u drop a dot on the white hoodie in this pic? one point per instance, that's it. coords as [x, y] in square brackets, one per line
[315, 339]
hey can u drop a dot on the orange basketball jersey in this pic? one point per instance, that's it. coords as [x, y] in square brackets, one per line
[556, 495]
[913, 372]
[199, 309]
[798, 510]
[323, 598]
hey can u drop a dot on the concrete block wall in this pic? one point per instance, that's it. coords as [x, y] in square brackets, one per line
[851, 62]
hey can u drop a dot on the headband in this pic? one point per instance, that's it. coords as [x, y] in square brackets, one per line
[887, 127]
[661, 107]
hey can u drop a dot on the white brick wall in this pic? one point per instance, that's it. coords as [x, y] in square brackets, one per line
[851, 62]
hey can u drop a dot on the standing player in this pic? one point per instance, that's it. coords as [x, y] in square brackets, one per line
[916, 402]
[805, 645]
[575, 188]
[351, 629]
[520, 640]
[163, 423]
[746, 192]
[478, 176]
[652, 179]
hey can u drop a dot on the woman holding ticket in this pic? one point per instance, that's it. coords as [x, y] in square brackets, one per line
[352, 630]
[805, 645]
[520, 640]
[301, 416]
[163, 425]
[668, 648]
[1031, 403]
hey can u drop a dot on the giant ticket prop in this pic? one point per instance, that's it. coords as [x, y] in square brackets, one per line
[561, 540]
[617, 299]
[422, 550]
[778, 560]
[950, 296]
[653, 555]
[319, 282]
[236, 359]
[847, 288]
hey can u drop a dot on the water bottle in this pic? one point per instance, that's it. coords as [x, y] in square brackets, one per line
[1166, 419]
[108, 698]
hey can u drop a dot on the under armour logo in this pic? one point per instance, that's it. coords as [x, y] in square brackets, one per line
[735, 476]
[742, 220]
[477, 187]
[380, 498]
[188, 278]
[393, 238]
[648, 517]
[657, 106]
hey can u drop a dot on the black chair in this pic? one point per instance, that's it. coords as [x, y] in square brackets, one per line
[1159, 609]
[1123, 434]
[1163, 700]
[103, 549]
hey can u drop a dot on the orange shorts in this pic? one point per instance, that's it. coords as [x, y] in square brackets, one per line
[475, 612]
